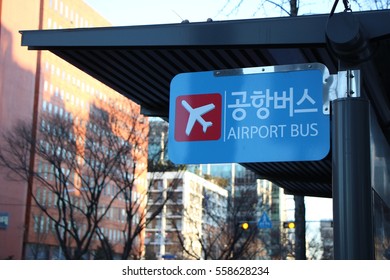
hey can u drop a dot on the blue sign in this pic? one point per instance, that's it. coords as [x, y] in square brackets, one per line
[4, 219]
[249, 115]
[168, 257]
[264, 221]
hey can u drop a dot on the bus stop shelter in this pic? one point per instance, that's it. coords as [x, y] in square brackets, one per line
[140, 61]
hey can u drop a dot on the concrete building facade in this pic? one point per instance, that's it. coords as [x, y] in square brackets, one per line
[255, 196]
[177, 231]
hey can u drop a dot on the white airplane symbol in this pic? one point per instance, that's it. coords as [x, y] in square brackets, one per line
[195, 115]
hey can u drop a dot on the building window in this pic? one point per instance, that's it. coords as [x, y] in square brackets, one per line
[38, 195]
[47, 224]
[41, 223]
[42, 125]
[36, 223]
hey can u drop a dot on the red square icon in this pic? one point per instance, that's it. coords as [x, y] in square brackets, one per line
[198, 117]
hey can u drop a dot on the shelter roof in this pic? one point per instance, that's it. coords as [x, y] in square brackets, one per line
[140, 61]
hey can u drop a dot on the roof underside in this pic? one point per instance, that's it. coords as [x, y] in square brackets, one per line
[140, 62]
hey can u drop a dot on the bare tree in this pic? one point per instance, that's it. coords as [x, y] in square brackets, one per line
[39, 249]
[57, 163]
[372, 5]
[286, 7]
[295, 7]
[94, 172]
[218, 233]
[140, 207]
[315, 246]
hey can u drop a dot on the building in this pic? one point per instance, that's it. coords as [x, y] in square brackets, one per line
[39, 87]
[326, 231]
[158, 141]
[179, 230]
[17, 80]
[272, 201]
[253, 196]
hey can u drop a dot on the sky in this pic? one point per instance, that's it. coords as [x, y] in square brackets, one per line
[137, 12]
[145, 12]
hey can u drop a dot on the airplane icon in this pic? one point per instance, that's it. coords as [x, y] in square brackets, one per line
[196, 115]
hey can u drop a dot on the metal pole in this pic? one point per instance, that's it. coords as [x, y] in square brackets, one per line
[352, 202]
[352, 195]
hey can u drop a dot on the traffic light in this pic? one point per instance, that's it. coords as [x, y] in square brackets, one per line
[245, 225]
[289, 224]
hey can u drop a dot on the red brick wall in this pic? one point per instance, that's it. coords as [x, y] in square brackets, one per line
[18, 68]
[17, 76]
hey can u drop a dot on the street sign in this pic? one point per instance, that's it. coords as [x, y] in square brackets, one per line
[262, 114]
[4, 220]
[264, 221]
[168, 257]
